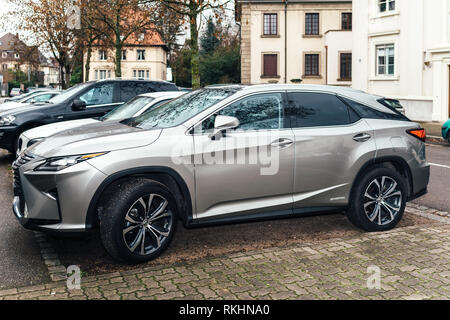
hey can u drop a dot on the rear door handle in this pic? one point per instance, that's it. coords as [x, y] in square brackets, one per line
[362, 137]
[282, 143]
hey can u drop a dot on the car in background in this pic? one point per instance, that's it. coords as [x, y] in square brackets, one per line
[35, 97]
[15, 92]
[331, 149]
[85, 100]
[26, 95]
[132, 108]
[446, 131]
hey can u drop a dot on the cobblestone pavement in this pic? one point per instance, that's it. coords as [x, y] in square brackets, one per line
[414, 264]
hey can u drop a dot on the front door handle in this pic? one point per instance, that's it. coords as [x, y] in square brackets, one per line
[282, 143]
[362, 137]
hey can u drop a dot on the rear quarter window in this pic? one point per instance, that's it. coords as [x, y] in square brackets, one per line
[371, 113]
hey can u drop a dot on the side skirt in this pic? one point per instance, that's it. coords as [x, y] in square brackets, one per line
[266, 216]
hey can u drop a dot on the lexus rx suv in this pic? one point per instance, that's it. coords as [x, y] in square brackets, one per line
[224, 154]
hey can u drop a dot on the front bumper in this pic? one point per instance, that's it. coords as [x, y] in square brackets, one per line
[7, 136]
[54, 201]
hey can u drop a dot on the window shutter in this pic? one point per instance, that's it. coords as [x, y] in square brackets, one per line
[270, 65]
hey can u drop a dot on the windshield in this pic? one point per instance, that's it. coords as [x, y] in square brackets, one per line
[129, 109]
[68, 93]
[178, 111]
[26, 95]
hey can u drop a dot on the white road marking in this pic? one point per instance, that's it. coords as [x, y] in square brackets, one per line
[439, 165]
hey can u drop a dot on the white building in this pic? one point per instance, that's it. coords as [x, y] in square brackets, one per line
[401, 49]
[287, 41]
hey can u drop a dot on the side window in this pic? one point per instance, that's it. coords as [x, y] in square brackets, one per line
[259, 112]
[102, 94]
[127, 91]
[317, 110]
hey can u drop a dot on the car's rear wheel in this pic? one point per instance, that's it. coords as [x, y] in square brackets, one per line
[378, 200]
[138, 221]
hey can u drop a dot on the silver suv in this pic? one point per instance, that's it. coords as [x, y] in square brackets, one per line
[224, 154]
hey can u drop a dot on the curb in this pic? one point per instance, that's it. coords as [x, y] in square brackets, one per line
[436, 139]
[55, 268]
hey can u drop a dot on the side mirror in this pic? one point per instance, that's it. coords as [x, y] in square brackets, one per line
[222, 124]
[78, 105]
[33, 101]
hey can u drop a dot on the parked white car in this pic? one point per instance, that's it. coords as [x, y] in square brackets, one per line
[131, 109]
[40, 96]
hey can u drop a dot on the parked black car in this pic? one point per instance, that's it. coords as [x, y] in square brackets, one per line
[86, 100]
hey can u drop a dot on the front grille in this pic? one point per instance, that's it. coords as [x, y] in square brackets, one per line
[25, 158]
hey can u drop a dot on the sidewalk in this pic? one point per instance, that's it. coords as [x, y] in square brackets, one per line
[414, 264]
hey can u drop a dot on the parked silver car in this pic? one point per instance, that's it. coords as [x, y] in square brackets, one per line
[224, 154]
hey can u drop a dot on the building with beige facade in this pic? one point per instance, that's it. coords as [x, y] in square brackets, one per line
[296, 40]
[401, 50]
[144, 56]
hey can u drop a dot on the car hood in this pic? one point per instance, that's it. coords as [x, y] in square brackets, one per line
[53, 128]
[24, 108]
[92, 138]
[10, 105]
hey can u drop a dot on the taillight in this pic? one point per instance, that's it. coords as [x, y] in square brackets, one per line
[418, 133]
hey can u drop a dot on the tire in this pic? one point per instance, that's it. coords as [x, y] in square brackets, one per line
[126, 234]
[366, 198]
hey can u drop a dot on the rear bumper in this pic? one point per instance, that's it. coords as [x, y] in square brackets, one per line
[420, 180]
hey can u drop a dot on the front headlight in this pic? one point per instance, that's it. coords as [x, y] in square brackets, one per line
[60, 163]
[6, 121]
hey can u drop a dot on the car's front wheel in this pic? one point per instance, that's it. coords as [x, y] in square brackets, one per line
[378, 200]
[138, 221]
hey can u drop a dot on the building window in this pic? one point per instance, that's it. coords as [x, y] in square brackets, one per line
[4, 67]
[4, 54]
[312, 65]
[16, 55]
[102, 55]
[141, 74]
[270, 65]
[312, 24]
[347, 21]
[124, 54]
[386, 5]
[270, 24]
[386, 60]
[345, 66]
[141, 55]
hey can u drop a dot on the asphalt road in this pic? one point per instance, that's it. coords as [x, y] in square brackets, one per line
[20, 259]
[438, 196]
